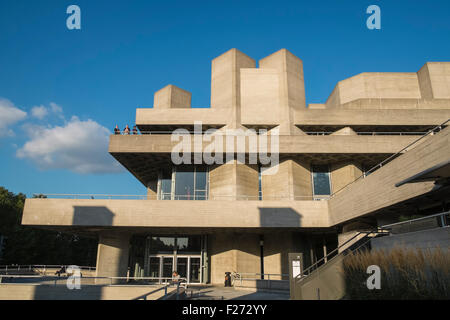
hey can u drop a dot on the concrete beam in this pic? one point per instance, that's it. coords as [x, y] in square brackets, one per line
[287, 144]
[173, 214]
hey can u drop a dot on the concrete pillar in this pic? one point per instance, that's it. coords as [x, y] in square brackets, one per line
[225, 83]
[172, 97]
[343, 173]
[277, 247]
[434, 80]
[291, 181]
[234, 181]
[233, 252]
[291, 87]
[152, 190]
[112, 254]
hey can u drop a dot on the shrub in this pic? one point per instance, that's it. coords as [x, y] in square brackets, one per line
[405, 274]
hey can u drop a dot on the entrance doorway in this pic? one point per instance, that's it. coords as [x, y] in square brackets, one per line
[187, 266]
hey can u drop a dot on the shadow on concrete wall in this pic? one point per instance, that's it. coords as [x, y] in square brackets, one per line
[279, 217]
[92, 216]
[62, 292]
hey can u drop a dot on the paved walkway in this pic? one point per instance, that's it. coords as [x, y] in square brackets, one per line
[222, 293]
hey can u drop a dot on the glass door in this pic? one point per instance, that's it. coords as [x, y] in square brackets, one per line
[155, 267]
[167, 267]
[194, 269]
[182, 267]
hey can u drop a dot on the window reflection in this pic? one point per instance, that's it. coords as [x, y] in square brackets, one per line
[162, 244]
[184, 183]
[189, 244]
[321, 180]
[166, 185]
[190, 183]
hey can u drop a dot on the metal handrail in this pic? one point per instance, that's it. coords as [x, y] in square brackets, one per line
[392, 157]
[383, 230]
[368, 133]
[39, 268]
[186, 197]
[230, 132]
[144, 296]
[181, 281]
[364, 175]
[326, 258]
[241, 274]
[417, 219]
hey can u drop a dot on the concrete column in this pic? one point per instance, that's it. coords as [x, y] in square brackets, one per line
[234, 252]
[291, 87]
[225, 83]
[152, 190]
[234, 181]
[172, 97]
[343, 173]
[277, 247]
[434, 80]
[291, 181]
[112, 255]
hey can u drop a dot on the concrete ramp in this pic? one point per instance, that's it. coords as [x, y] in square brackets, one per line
[379, 190]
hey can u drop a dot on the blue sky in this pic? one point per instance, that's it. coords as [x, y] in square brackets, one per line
[54, 81]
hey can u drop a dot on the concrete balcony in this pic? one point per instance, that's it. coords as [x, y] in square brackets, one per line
[302, 144]
[175, 214]
[341, 117]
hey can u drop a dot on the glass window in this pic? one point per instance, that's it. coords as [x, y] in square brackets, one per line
[162, 244]
[201, 183]
[321, 180]
[191, 183]
[184, 183]
[189, 244]
[260, 183]
[166, 185]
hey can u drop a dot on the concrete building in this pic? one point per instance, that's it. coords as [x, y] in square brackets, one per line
[207, 219]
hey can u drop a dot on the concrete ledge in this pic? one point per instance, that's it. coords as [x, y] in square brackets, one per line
[187, 214]
[259, 285]
[330, 144]
[89, 292]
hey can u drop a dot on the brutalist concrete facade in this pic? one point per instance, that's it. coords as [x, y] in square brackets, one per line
[247, 221]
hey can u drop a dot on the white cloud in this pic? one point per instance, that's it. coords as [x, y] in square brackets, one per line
[9, 115]
[55, 108]
[39, 112]
[79, 146]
